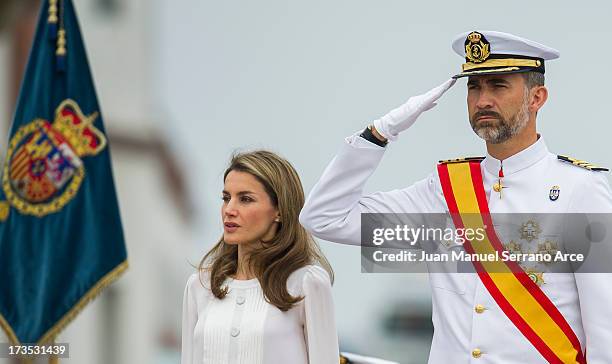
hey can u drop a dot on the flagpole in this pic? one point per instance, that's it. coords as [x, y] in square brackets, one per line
[60, 52]
[53, 358]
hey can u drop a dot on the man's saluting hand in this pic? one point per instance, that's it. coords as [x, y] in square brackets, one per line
[400, 119]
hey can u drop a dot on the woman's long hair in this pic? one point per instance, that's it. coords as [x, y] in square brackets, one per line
[290, 249]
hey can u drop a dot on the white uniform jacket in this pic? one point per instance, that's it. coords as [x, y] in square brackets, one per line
[462, 333]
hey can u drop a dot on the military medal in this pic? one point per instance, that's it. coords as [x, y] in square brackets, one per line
[530, 230]
[535, 276]
[513, 248]
[548, 248]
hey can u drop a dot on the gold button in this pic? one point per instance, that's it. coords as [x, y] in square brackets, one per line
[479, 308]
[476, 353]
[497, 187]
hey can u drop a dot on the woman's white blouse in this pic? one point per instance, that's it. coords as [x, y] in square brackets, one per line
[243, 328]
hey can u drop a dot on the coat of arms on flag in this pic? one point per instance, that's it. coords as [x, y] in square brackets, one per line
[44, 169]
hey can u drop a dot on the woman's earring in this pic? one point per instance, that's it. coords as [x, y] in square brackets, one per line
[277, 219]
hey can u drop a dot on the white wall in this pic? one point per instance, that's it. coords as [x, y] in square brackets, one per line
[118, 47]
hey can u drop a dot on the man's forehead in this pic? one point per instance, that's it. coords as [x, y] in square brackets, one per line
[510, 78]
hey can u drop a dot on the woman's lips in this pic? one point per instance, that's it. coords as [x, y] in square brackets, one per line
[230, 227]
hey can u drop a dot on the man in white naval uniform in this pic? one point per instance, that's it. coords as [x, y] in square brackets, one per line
[505, 91]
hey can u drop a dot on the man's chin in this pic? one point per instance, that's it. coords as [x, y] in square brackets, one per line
[488, 134]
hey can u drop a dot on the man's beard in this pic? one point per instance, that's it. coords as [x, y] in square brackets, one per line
[499, 131]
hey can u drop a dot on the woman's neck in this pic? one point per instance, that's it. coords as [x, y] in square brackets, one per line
[243, 268]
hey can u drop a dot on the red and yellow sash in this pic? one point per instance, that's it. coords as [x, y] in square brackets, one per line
[529, 309]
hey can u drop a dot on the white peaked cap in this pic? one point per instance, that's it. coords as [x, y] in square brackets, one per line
[491, 52]
[506, 43]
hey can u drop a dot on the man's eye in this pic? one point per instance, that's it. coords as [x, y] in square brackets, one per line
[225, 198]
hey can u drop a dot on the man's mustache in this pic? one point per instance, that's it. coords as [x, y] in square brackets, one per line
[480, 114]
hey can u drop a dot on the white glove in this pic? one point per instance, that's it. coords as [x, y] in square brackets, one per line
[360, 359]
[400, 119]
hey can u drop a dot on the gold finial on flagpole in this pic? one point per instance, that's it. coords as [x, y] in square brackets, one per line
[52, 19]
[61, 43]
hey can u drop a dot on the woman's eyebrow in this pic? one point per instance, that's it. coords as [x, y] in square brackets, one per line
[240, 193]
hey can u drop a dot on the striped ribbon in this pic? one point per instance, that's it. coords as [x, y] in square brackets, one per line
[529, 309]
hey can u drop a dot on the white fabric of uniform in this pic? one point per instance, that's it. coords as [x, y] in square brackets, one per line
[243, 328]
[332, 212]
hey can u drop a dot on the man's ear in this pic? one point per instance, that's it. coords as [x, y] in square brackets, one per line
[539, 95]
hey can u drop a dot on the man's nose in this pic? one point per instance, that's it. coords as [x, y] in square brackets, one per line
[484, 101]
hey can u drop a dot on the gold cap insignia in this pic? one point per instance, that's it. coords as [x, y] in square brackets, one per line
[477, 48]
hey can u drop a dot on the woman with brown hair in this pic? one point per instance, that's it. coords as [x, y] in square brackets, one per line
[262, 294]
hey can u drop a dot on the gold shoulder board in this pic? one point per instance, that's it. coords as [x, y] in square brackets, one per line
[461, 160]
[583, 164]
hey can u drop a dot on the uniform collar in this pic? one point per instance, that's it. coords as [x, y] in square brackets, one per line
[521, 160]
